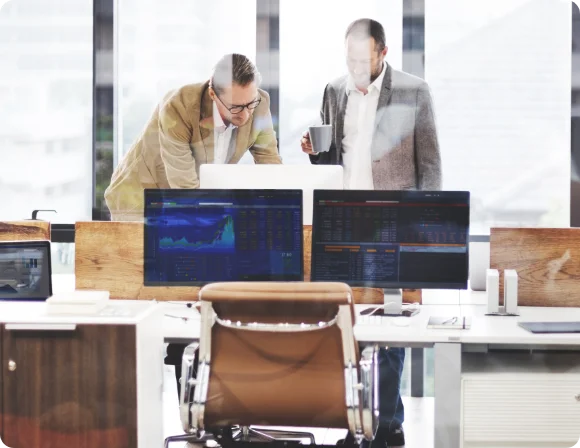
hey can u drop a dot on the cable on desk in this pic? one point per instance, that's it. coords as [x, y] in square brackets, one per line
[194, 304]
[183, 318]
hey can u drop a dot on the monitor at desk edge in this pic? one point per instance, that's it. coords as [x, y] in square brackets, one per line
[391, 239]
[25, 270]
[194, 237]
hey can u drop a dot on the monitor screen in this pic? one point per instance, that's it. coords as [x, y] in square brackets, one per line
[195, 237]
[391, 239]
[25, 270]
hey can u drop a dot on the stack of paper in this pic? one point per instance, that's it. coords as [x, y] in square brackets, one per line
[78, 302]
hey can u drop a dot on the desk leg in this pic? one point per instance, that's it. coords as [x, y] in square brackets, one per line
[417, 371]
[447, 395]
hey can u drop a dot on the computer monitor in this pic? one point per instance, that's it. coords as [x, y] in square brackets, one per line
[391, 240]
[304, 177]
[25, 270]
[195, 237]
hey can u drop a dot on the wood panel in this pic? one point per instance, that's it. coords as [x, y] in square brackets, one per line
[109, 256]
[24, 230]
[547, 262]
[70, 388]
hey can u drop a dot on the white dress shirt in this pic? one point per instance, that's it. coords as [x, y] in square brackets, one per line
[359, 123]
[222, 137]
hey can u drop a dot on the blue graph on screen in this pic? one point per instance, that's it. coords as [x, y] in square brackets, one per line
[209, 233]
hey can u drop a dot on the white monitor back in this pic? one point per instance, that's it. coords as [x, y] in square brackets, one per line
[276, 177]
[479, 262]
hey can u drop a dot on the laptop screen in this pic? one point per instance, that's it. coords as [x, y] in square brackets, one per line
[25, 270]
[195, 237]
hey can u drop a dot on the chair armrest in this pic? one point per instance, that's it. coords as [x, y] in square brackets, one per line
[369, 373]
[188, 383]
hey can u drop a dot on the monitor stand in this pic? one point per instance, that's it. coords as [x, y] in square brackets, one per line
[393, 302]
[392, 305]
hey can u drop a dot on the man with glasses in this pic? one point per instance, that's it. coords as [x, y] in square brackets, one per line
[384, 136]
[216, 121]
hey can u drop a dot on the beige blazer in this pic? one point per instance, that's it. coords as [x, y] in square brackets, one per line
[178, 139]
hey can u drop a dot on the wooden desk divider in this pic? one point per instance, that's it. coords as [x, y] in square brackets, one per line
[24, 230]
[547, 262]
[109, 256]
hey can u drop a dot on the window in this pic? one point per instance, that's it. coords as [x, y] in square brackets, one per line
[274, 40]
[312, 54]
[500, 78]
[165, 45]
[414, 33]
[45, 47]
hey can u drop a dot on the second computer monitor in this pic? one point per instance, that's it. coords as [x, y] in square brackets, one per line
[195, 237]
[391, 239]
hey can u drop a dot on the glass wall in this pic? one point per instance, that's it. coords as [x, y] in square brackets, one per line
[164, 45]
[500, 76]
[46, 115]
[312, 55]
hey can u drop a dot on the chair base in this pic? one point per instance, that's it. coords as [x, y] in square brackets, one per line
[189, 438]
[248, 434]
[240, 436]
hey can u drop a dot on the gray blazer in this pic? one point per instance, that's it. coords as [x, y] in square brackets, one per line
[405, 150]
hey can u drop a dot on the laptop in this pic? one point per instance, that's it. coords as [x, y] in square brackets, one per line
[551, 327]
[25, 270]
[279, 177]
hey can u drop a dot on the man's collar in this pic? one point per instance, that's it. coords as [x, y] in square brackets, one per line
[376, 84]
[218, 122]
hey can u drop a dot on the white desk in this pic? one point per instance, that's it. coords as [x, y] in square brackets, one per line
[125, 336]
[413, 332]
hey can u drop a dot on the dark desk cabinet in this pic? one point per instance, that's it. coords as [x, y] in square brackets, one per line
[88, 385]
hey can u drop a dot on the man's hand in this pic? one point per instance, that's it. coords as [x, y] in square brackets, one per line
[306, 144]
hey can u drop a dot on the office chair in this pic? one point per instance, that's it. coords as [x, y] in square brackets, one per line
[276, 354]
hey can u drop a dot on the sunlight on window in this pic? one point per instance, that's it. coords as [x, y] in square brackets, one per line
[46, 114]
[165, 45]
[500, 75]
[312, 54]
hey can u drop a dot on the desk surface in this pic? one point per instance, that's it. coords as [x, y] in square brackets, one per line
[182, 323]
[414, 331]
[120, 312]
[484, 329]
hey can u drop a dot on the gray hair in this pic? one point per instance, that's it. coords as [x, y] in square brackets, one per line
[234, 68]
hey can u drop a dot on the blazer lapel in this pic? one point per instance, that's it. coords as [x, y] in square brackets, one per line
[385, 95]
[383, 104]
[206, 126]
[342, 100]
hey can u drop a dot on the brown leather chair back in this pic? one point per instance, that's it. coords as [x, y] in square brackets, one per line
[265, 368]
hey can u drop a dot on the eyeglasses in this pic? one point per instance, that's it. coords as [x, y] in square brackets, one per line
[237, 109]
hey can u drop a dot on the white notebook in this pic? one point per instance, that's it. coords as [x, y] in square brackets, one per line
[77, 302]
